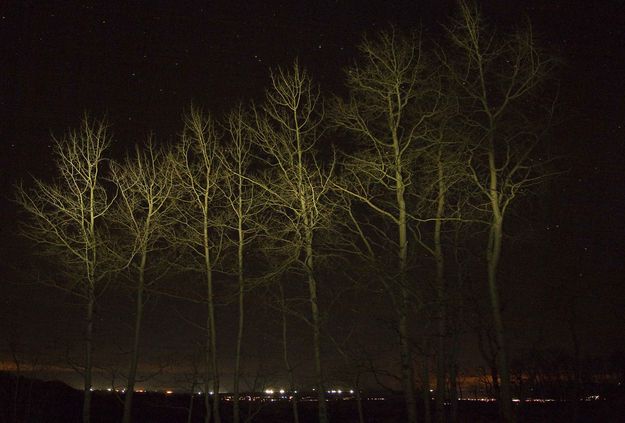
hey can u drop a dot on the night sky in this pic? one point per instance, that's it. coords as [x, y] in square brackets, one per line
[141, 64]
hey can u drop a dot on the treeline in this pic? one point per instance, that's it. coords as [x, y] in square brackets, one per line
[401, 188]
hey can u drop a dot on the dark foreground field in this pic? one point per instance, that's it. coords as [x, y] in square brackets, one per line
[55, 402]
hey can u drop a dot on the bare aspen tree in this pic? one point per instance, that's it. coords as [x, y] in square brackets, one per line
[441, 200]
[390, 103]
[499, 77]
[243, 208]
[64, 218]
[287, 129]
[145, 185]
[198, 171]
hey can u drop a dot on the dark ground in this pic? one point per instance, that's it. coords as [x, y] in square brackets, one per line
[55, 402]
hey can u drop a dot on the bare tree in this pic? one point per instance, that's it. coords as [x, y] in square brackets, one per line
[440, 205]
[499, 77]
[64, 219]
[201, 225]
[391, 102]
[244, 207]
[145, 185]
[287, 129]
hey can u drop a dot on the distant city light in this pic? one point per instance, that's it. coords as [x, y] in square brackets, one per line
[281, 391]
[169, 392]
[269, 391]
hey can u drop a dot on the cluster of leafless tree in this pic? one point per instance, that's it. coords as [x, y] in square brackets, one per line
[392, 189]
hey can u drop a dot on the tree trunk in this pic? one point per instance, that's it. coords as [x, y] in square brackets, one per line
[16, 388]
[236, 408]
[425, 384]
[207, 377]
[406, 364]
[86, 407]
[212, 332]
[285, 357]
[453, 392]
[505, 391]
[295, 405]
[134, 358]
[316, 321]
[455, 314]
[441, 367]
[237, 363]
[494, 376]
[361, 414]
[190, 410]
[402, 223]
[453, 370]
[493, 256]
